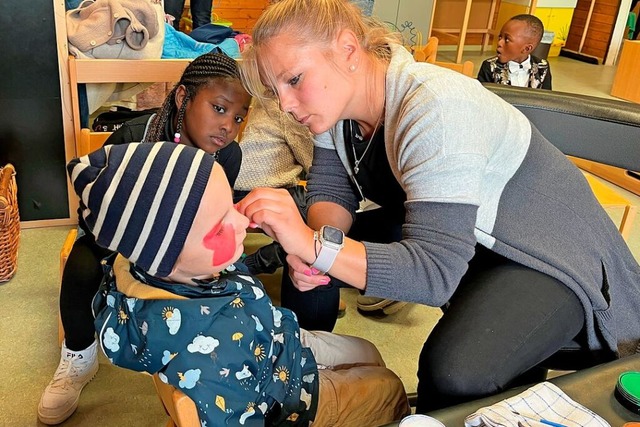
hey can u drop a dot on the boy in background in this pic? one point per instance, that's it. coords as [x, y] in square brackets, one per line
[514, 65]
[175, 303]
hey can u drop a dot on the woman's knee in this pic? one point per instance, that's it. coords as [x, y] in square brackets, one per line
[457, 372]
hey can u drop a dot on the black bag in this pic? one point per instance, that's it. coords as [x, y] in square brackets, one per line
[111, 121]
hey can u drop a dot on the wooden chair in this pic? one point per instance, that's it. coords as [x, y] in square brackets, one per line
[118, 71]
[627, 179]
[465, 68]
[87, 142]
[428, 52]
[180, 408]
[90, 141]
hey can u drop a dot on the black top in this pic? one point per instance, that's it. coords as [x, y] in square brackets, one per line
[374, 176]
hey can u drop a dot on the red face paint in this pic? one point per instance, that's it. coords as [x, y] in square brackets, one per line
[222, 241]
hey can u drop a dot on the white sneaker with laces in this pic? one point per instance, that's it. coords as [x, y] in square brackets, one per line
[60, 398]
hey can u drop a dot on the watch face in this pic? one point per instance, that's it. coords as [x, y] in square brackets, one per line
[333, 235]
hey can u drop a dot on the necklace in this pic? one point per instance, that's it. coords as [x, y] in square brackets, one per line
[356, 160]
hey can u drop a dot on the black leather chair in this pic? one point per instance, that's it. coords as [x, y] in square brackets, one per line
[598, 129]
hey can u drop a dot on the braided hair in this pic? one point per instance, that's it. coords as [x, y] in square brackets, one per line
[199, 73]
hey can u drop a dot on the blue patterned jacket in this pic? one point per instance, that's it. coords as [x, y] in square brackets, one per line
[222, 343]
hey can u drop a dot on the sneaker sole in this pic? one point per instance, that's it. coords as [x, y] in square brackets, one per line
[385, 307]
[60, 418]
[48, 420]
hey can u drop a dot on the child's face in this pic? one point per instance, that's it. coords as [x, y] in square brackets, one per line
[216, 237]
[213, 116]
[514, 42]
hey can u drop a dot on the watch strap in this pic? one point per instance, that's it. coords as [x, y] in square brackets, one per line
[327, 254]
[326, 258]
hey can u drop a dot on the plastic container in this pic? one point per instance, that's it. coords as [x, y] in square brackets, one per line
[542, 50]
[628, 391]
[556, 46]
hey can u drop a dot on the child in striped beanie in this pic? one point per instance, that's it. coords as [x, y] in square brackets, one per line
[175, 303]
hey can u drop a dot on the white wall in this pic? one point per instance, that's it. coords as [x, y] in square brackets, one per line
[397, 12]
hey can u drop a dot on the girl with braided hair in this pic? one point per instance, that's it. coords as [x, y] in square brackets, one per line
[205, 110]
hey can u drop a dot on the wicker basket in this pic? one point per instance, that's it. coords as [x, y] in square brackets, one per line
[9, 223]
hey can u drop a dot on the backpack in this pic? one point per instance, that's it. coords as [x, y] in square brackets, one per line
[111, 121]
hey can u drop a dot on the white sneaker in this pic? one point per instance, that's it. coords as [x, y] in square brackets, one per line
[60, 398]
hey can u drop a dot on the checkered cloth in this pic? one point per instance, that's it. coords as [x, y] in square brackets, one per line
[542, 401]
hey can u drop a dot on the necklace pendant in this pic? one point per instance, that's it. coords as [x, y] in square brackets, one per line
[356, 169]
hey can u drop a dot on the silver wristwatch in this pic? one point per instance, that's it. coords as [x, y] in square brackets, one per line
[331, 242]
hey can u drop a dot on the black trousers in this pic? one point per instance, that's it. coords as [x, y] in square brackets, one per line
[80, 281]
[503, 320]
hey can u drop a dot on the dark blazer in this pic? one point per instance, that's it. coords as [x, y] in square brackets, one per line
[492, 71]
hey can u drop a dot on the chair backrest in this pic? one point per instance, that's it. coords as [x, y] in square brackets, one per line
[598, 129]
[427, 52]
[465, 68]
[90, 141]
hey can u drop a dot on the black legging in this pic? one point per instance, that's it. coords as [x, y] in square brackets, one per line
[80, 281]
[503, 320]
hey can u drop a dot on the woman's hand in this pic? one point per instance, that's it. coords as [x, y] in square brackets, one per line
[304, 277]
[276, 213]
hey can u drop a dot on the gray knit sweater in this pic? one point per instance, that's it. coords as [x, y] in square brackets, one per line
[475, 170]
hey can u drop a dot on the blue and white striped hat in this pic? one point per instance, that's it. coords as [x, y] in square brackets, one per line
[140, 199]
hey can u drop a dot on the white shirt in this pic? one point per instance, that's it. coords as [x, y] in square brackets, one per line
[519, 72]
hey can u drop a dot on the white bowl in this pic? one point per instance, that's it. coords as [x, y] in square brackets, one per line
[419, 420]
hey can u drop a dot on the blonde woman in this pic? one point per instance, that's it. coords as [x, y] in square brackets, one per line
[496, 223]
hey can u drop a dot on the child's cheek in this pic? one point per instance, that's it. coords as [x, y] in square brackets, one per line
[222, 242]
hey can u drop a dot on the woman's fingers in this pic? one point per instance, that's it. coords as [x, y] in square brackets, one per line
[261, 204]
[262, 198]
[304, 277]
[275, 212]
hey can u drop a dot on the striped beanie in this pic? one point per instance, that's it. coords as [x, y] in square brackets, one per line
[140, 199]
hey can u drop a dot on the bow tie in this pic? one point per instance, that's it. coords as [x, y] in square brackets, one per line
[514, 67]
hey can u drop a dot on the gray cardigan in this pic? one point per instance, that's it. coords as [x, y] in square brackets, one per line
[475, 170]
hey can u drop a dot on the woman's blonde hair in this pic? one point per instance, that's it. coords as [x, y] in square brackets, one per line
[313, 22]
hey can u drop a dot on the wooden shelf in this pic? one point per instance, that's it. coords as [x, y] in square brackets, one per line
[127, 70]
[459, 35]
[625, 83]
[118, 71]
